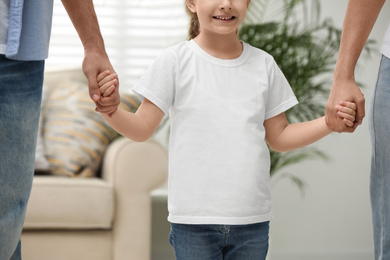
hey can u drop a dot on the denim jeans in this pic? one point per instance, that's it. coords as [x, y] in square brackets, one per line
[380, 162]
[220, 242]
[20, 99]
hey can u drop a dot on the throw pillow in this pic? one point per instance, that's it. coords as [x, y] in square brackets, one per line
[41, 163]
[76, 136]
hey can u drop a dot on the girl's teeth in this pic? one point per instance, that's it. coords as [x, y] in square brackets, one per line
[224, 18]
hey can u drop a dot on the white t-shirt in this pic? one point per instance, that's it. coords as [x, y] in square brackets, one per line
[4, 13]
[385, 50]
[219, 160]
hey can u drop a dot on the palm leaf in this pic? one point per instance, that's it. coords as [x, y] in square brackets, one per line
[256, 11]
[305, 48]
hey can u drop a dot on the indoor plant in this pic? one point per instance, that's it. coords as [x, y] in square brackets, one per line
[305, 48]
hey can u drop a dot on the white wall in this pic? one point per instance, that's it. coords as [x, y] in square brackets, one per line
[333, 219]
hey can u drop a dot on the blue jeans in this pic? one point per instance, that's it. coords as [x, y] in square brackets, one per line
[380, 162]
[20, 99]
[220, 242]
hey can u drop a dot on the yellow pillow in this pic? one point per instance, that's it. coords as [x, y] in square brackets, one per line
[75, 136]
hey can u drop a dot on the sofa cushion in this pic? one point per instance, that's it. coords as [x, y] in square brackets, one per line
[41, 163]
[58, 202]
[75, 136]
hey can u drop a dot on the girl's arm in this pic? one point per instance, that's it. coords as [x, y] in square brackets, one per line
[138, 126]
[282, 136]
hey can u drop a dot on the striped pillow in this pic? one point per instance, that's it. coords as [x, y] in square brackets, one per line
[75, 136]
[40, 164]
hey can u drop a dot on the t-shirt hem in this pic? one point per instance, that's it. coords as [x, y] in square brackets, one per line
[219, 220]
[282, 107]
[386, 53]
[385, 48]
[144, 93]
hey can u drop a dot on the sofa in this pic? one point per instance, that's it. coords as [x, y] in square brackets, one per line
[99, 212]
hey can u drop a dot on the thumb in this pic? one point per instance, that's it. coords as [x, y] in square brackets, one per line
[94, 91]
[360, 111]
[95, 95]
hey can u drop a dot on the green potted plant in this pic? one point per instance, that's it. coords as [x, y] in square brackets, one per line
[305, 48]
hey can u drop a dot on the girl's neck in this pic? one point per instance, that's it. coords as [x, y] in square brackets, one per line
[226, 47]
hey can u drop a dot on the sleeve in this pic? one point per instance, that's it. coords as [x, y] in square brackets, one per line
[157, 84]
[280, 95]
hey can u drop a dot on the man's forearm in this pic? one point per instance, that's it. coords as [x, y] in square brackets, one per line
[83, 16]
[359, 20]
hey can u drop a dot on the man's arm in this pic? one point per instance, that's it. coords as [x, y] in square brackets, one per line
[83, 16]
[359, 20]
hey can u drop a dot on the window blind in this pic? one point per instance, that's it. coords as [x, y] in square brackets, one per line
[134, 31]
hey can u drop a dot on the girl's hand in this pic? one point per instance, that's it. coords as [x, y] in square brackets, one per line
[106, 81]
[347, 111]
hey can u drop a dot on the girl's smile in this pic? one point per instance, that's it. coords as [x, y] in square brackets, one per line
[224, 18]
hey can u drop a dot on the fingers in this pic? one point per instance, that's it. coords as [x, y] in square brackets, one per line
[350, 105]
[360, 111]
[107, 82]
[108, 104]
[103, 75]
[333, 121]
[108, 91]
[106, 76]
[346, 116]
[348, 122]
[108, 88]
[106, 79]
[347, 112]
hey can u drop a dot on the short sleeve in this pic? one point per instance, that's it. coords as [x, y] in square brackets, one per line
[281, 96]
[157, 84]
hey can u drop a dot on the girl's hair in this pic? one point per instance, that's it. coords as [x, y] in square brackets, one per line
[194, 29]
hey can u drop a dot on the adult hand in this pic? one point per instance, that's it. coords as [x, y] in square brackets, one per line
[344, 90]
[95, 62]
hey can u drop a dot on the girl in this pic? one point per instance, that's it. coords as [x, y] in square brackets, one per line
[225, 98]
